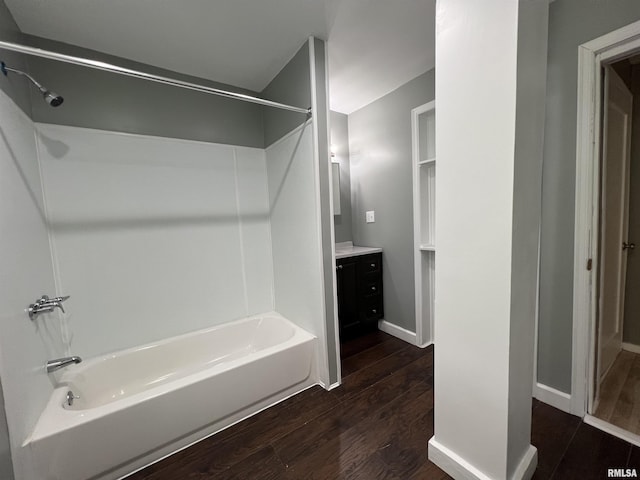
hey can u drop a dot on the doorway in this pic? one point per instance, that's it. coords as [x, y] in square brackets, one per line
[615, 391]
[603, 240]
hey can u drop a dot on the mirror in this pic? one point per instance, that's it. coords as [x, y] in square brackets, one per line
[335, 173]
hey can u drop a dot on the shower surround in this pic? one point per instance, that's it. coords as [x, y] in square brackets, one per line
[155, 237]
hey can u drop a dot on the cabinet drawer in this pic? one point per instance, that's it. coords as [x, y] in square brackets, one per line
[373, 308]
[371, 263]
[371, 286]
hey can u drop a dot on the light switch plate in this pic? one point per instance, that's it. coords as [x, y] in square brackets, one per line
[370, 216]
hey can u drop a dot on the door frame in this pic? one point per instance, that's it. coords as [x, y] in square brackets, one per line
[591, 58]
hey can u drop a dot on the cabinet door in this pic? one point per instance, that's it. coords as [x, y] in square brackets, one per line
[347, 298]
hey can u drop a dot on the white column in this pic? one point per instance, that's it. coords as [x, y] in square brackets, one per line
[490, 89]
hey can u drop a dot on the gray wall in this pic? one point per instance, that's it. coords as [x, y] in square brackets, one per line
[292, 86]
[340, 143]
[571, 23]
[631, 332]
[6, 467]
[381, 180]
[106, 101]
[13, 85]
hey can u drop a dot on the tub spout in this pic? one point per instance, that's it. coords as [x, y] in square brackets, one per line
[57, 364]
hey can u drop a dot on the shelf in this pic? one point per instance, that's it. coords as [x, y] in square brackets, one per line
[427, 161]
[427, 248]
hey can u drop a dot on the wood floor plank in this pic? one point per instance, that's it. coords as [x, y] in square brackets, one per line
[626, 411]
[551, 433]
[353, 447]
[590, 454]
[262, 465]
[353, 410]
[364, 378]
[407, 450]
[634, 459]
[613, 384]
[360, 344]
[374, 468]
[371, 355]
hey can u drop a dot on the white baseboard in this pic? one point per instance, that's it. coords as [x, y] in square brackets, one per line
[527, 466]
[332, 386]
[555, 398]
[398, 332]
[612, 430]
[459, 468]
[630, 347]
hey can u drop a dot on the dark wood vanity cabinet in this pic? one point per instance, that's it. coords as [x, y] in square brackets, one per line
[360, 303]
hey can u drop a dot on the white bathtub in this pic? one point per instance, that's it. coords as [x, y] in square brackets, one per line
[140, 404]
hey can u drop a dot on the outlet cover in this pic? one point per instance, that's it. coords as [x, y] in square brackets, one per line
[370, 216]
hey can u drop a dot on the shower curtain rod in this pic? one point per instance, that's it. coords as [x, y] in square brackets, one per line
[108, 67]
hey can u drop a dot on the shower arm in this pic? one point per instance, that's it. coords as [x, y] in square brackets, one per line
[5, 69]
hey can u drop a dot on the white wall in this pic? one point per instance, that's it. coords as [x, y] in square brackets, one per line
[296, 237]
[489, 151]
[153, 236]
[25, 274]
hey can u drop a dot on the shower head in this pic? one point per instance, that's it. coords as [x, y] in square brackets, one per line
[51, 98]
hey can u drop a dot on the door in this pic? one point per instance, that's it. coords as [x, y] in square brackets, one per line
[614, 228]
[347, 285]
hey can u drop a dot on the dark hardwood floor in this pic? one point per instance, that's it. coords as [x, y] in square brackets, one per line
[375, 426]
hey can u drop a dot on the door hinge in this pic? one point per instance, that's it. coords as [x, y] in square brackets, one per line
[589, 264]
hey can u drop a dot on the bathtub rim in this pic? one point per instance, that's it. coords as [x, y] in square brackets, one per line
[74, 370]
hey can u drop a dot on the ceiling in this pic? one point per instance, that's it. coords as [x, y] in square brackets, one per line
[377, 45]
[374, 45]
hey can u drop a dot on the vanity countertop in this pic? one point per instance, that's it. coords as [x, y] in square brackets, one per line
[347, 249]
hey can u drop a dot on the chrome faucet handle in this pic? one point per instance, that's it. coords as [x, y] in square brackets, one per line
[57, 304]
[37, 308]
[46, 305]
[49, 304]
[54, 302]
[61, 299]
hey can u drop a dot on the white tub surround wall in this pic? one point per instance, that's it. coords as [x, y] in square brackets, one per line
[135, 403]
[26, 273]
[152, 236]
[295, 234]
[489, 150]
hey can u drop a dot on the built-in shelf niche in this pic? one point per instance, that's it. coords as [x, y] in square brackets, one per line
[423, 126]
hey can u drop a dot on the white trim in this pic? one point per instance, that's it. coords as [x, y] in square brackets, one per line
[330, 387]
[536, 326]
[459, 468]
[422, 337]
[336, 321]
[398, 332]
[553, 397]
[591, 56]
[612, 430]
[323, 366]
[630, 347]
[527, 466]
